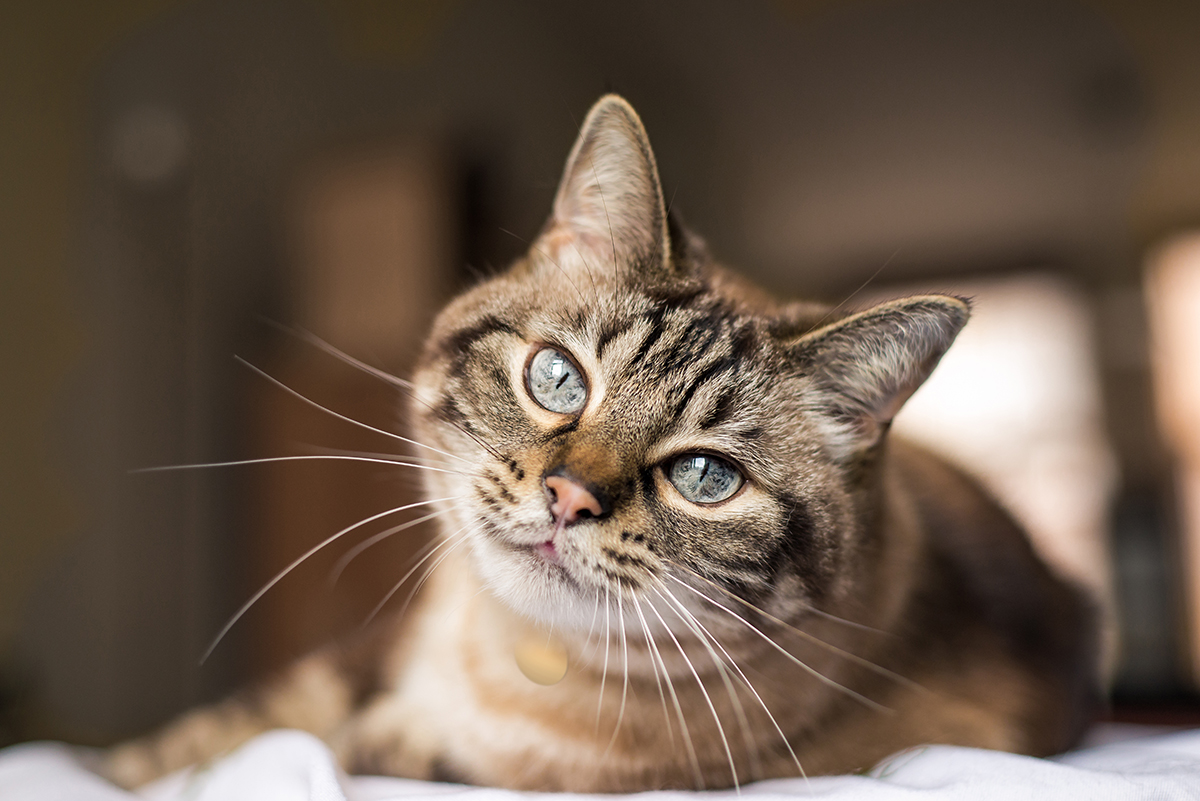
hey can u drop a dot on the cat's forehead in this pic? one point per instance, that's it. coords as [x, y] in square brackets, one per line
[695, 361]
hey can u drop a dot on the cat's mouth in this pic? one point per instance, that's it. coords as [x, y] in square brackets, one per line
[548, 551]
[548, 557]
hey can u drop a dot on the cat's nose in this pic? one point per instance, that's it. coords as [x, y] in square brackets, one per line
[571, 501]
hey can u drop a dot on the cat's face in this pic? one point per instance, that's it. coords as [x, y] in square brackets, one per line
[617, 420]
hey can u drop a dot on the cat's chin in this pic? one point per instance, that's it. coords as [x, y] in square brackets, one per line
[535, 581]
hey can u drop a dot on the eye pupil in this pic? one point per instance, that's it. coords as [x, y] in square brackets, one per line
[555, 383]
[701, 478]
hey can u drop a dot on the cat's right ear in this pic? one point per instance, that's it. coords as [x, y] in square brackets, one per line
[866, 365]
[609, 214]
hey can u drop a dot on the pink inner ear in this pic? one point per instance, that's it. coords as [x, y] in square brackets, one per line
[891, 404]
[569, 243]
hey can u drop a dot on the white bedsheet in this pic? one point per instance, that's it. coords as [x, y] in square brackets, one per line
[294, 766]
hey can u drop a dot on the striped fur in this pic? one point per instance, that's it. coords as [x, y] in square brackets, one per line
[827, 614]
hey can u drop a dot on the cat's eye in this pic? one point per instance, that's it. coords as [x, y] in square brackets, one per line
[702, 478]
[555, 382]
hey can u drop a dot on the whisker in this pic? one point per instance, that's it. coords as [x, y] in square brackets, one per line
[430, 460]
[683, 727]
[790, 656]
[254, 599]
[566, 275]
[604, 204]
[832, 617]
[807, 607]
[589, 648]
[396, 587]
[729, 688]
[338, 353]
[751, 750]
[350, 555]
[624, 671]
[382, 375]
[849, 297]
[707, 639]
[604, 672]
[849, 656]
[341, 416]
[704, 692]
[301, 458]
[408, 599]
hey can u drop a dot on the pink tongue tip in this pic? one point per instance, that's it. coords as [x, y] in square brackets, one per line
[548, 551]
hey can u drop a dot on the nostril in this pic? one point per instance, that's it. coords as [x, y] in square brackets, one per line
[570, 501]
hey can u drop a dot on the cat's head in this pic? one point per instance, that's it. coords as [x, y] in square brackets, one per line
[617, 415]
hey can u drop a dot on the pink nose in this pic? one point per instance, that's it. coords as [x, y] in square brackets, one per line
[570, 501]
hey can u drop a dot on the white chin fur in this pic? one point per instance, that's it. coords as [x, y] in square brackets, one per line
[538, 591]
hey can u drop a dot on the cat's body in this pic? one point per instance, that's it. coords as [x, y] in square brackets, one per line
[685, 487]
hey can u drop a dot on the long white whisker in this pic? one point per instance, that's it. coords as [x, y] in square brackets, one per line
[790, 656]
[396, 587]
[590, 647]
[338, 353]
[737, 786]
[828, 616]
[637, 605]
[350, 555]
[703, 691]
[301, 458]
[341, 416]
[855, 658]
[246, 606]
[708, 640]
[683, 727]
[428, 574]
[546, 255]
[430, 460]
[387, 377]
[624, 670]
[604, 672]
[604, 204]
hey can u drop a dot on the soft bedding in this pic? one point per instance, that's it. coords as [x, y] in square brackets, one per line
[294, 766]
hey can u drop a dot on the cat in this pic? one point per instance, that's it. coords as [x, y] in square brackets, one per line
[678, 548]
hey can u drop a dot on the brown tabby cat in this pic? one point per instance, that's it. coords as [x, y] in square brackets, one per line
[680, 491]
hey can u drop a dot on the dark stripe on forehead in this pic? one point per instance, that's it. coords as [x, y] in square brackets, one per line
[461, 340]
[693, 340]
[607, 335]
[722, 409]
[655, 319]
[718, 367]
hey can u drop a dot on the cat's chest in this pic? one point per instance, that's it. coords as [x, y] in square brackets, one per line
[463, 699]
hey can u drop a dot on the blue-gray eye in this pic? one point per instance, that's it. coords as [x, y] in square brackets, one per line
[555, 382]
[704, 479]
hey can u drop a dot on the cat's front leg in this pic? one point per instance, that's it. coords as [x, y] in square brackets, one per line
[312, 695]
[387, 739]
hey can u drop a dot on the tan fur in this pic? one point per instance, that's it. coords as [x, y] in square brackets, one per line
[853, 597]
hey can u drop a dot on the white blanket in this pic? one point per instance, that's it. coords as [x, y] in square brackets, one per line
[294, 766]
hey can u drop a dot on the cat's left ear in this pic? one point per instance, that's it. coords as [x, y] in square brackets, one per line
[865, 366]
[609, 212]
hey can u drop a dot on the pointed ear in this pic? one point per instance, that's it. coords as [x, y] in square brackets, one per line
[609, 209]
[865, 366]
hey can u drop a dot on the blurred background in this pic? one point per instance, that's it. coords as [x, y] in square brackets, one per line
[180, 179]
